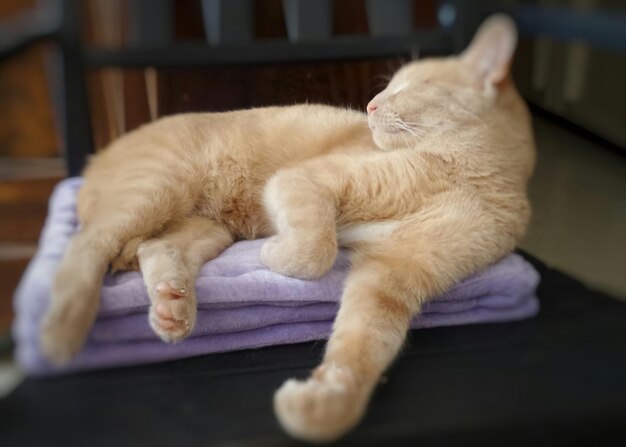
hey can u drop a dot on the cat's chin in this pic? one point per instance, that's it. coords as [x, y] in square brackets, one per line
[386, 141]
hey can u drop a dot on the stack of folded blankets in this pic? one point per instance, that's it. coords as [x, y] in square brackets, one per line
[241, 304]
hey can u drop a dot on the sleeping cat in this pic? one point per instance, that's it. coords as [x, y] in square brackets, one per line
[426, 189]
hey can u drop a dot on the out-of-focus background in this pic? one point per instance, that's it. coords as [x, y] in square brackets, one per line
[575, 87]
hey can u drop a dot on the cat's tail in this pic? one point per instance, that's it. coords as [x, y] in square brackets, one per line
[75, 295]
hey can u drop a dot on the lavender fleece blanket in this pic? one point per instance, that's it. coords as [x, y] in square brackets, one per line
[241, 304]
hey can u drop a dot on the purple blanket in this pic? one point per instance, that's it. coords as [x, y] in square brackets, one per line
[241, 304]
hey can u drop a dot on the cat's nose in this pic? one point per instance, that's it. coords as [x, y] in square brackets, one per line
[371, 107]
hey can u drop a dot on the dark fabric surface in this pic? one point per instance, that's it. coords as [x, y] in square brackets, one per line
[557, 379]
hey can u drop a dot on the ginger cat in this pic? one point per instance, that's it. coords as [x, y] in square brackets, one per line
[434, 190]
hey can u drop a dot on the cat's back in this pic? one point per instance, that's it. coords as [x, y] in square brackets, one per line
[276, 134]
[280, 134]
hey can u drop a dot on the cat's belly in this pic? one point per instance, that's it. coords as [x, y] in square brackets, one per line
[242, 213]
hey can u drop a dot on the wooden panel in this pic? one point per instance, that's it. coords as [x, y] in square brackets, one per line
[23, 208]
[350, 17]
[27, 124]
[9, 7]
[188, 20]
[425, 14]
[10, 274]
[351, 84]
[338, 83]
[270, 20]
[136, 101]
[227, 88]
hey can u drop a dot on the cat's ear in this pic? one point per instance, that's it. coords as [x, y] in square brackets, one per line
[491, 51]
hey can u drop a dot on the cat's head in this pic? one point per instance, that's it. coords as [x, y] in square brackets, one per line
[429, 96]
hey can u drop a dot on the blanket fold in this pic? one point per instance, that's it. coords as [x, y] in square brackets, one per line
[241, 304]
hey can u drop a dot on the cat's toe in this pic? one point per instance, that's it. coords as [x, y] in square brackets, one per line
[172, 289]
[320, 409]
[170, 329]
[173, 311]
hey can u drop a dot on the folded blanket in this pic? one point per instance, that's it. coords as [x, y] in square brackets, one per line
[241, 304]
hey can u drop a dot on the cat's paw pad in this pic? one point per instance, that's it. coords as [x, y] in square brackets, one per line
[172, 289]
[322, 408]
[173, 311]
[298, 259]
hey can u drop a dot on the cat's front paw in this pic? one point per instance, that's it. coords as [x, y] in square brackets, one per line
[321, 408]
[173, 311]
[299, 258]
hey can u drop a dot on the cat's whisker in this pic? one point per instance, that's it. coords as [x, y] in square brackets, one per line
[402, 126]
[432, 126]
[413, 131]
[412, 128]
[415, 126]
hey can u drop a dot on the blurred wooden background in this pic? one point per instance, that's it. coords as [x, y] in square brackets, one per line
[121, 100]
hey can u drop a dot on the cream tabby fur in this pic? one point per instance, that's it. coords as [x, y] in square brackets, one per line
[432, 192]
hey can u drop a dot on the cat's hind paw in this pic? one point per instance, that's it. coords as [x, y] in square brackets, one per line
[173, 311]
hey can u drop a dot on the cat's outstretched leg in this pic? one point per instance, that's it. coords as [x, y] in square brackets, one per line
[368, 333]
[170, 265]
[390, 278]
[305, 245]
